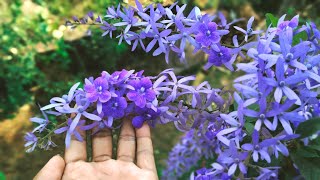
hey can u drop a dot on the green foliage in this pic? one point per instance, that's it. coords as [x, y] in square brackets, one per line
[307, 159]
[36, 63]
[308, 128]
[249, 127]
[271, 20]
[2, 176]
[18, 71]
[302, 36]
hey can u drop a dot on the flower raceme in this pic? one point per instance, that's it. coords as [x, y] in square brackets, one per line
[274, 96]
[166, 29]
[239, 133]
[105, 100]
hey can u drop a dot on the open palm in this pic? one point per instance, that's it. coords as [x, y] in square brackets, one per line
[134, 146]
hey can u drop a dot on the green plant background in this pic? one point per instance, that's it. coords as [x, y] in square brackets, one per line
[40, 58]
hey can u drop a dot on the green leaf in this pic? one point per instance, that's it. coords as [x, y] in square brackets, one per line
[309, 167]
[308, 128]
[249, 127]
[2, 176]
[300, 36]
[308, 152]
[291, 11]
[271, 19]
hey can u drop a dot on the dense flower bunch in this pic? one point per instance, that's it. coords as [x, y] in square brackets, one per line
[278, 92]
[194, 146]
[240, 134]
[166, 30]
[105, 100]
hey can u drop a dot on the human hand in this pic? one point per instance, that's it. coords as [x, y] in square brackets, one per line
[132, 144]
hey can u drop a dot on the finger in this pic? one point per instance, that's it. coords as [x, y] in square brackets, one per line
[53, 170]
[77, 149]
[127, 144]
[102, 145]
[145, 158]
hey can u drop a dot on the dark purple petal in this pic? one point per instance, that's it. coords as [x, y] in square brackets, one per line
[137, 121]
[140, 101]
[105, 96]
[150, 95]
[92, 97]
[146, 83]
[132, 95]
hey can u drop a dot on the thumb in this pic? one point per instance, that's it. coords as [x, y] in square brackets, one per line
[53, 170]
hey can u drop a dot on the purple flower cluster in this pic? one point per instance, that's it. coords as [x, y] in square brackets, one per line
[168, 30]
[107, 99]
[186, 154]
[280, 89]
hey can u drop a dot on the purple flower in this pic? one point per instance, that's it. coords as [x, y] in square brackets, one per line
[112, 13]
[315, 30]
[223, 20]
[283, 84]
[207, 34]
[115, 107]
[48, 144]
[90, 14]
[69, 133]
[203, 174]
[259, 147]
[142, 92]
[137, 38]
[236, 125]
[173, 18]
[118, 77]
[128, 19]
[170, 46]
[145, 115]
[284, 116]
[233, 158]
[157, 37]
[177, 83]
[284, 25]
[263, 114]
[42, 122]
[107, 28]
[80, 111]
[186, 154]
[289, 54]
[64, 100]
[31, 141]
[150, 20]
[217, 58]
[249, 31]
[268, 173]
[98, 90]
[184, 35]
[280, 147]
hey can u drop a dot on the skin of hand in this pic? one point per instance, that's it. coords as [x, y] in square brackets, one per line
[134, 146]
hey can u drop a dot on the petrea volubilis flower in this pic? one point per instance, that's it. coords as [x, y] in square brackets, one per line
[142, 92]
[249, 32]
[162, 27]
[114, 96]
[31, 141]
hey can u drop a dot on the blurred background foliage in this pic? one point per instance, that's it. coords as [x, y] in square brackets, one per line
[41, 58]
